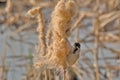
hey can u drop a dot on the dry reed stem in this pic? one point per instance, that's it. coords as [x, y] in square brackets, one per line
[79, 19]
[41, 48]
[8, 8]
[41, 30]
[107, 18]
[95, 51]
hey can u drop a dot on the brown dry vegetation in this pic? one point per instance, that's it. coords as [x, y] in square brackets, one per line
[95, 24]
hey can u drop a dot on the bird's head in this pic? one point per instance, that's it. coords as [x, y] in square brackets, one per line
[77, 45]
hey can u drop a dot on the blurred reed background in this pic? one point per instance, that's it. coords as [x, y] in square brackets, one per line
[96, 25]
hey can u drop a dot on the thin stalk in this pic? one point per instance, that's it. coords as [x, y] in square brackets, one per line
[96, 41]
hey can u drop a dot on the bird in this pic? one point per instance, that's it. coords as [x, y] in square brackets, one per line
[59, 58]
[74, 55]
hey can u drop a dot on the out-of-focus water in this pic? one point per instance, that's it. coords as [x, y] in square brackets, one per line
[15, 53]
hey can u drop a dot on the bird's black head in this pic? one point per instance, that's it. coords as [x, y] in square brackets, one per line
[77, 45]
